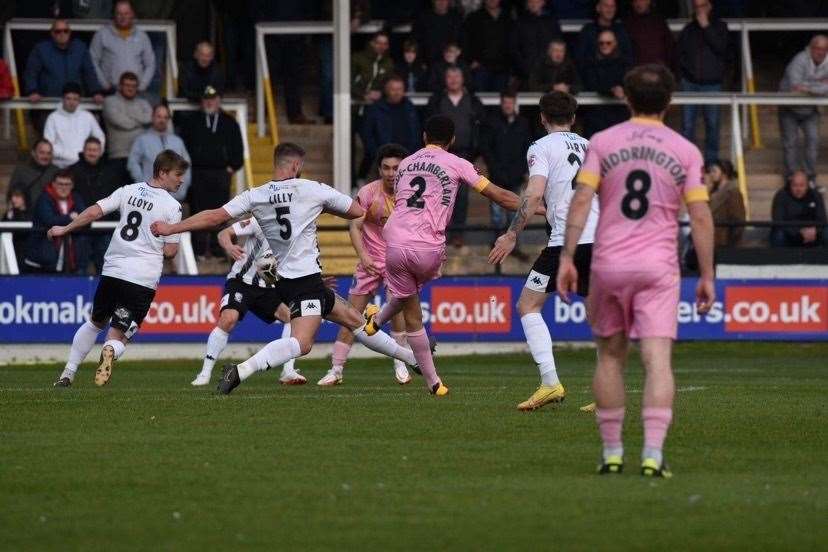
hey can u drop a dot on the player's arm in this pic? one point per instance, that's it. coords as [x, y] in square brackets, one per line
[89, 215]
[170, 250]
[355, 231]
[227, 241]
[567, 280]
[530, 200]
[199, 221]
[701, 224]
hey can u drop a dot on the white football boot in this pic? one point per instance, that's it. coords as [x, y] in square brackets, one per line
[292, 377]
[333, 377]
[401, 373]
[203, 378]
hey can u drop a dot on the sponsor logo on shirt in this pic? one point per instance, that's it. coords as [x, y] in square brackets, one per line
[460, 309]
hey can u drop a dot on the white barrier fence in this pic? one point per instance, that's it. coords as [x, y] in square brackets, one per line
[185, 261]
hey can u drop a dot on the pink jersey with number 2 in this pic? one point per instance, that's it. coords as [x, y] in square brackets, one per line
[641, 170]
[424, 196]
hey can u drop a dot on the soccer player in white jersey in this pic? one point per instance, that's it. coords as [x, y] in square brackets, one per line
[245, 290]
[553, 162]
[287, 208]
[132, 263]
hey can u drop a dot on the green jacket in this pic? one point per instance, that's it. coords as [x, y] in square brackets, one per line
[368, 71]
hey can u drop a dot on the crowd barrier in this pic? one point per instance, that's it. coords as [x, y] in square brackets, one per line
[469, 310]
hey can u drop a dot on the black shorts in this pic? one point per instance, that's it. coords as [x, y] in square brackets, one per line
[124, 302]
[306, 296]
[545, 270]
[243, 297]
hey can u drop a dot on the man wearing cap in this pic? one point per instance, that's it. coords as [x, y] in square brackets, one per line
[214, 141]
[69, 127]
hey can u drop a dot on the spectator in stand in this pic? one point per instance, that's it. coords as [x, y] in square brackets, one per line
[125, 115]
[604, 74]
[555, 71]
[200, 72]
[17, 211]
[122, 48]
[573, 9]
[651, 38]
[94, 180]
[33, 176]
[57, 205]
[487, 33]
[91, 9]
[605, 20]
[451, 58]
[467, 112]
[504, 140]
[148, 145]
[370, 67]
[392, 119]
[435, 28]
[412, 69]
[6, 87]
[702, 57]
[532, 33]
[797, 201]
[726, 202]
[214, 142]
[807, 73]
[69, 126]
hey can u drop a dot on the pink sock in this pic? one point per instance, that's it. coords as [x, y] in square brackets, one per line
[610, 422]
[656, 422]
[339, 354]
[391, 308]
[422, 352]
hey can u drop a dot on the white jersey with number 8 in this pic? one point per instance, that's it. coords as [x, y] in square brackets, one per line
[134, 254]
[286, 211]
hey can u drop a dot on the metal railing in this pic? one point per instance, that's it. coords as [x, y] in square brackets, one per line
[87, 25]
[244, 177]
[185, 262]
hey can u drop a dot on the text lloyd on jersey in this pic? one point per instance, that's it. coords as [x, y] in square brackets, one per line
[140, 203]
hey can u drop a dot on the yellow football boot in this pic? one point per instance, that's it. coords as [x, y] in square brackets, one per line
[588, 407]
[544, 395]
[439, 389]
[650, 468]
[613, 464]
[104, 371]
[369, 313]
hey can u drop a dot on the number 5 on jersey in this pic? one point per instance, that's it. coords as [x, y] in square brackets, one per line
[284, 222]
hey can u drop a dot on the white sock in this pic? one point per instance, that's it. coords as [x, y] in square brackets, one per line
[382, 343]
[287, 368]
[613, 451]
[118, 346]
[653, 453]
[82, 343]
[273, 354]
[540, 345]
[402, 341]
[216, 343]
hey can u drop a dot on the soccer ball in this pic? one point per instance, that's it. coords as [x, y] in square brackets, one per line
[266, 268]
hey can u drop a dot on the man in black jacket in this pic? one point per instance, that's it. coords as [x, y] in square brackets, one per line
[505, 139]
[466, 112]
[702, 57]
[605, 20]
[214, 141]
[435, 28]
[200, 72]
[95, 179]
[531, 35]
[797, 201]
[487, 33]
[604, 74]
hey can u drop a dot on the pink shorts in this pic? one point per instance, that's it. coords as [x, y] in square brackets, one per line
[408, 270]
[365, 283]
[640, 304]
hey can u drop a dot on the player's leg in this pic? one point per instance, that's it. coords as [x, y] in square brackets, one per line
[82, 343]
[657, 403]
[418, 341]
[290, 375]
[398, 334]
[539, 341]
[608, 389]
[126, 320]
[216, 343]
[342, 345]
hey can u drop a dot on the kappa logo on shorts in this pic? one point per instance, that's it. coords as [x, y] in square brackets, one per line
[238, 296]
[310, 307]
[537, 281]
[121, 313]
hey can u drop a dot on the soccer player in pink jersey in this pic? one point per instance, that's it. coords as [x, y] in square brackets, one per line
[377, 200]
[425, 192]
[641, 171]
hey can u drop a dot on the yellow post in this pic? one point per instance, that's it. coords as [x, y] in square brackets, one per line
[22, 136]
[740, 167]
[271, 111]
[754, 118]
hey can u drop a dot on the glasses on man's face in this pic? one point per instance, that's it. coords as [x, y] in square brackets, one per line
[60, 31]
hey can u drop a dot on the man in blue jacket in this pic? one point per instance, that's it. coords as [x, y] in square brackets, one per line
[392, 119]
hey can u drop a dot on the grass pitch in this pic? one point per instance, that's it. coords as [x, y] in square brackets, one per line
[150, 463]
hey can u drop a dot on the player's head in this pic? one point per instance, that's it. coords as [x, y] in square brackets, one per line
[389, 157]
[557, 109]
[288, 159]
[168, 170]
[439, 131]
[648, 89]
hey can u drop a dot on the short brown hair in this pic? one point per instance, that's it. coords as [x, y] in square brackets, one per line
[64, 174]
[649, 88]
[286, 150]
[128, 75]
[168, 161]
[558, 108]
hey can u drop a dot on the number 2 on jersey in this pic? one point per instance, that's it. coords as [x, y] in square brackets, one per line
[129, 232]
[286, 229]
[416, 200]
[635, 204]
[574, 160]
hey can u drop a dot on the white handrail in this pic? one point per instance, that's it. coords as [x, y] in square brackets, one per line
[185, 261]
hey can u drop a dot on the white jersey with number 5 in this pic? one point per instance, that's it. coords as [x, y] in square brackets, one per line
[286, 211]
[557, 157]
[134, 254]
